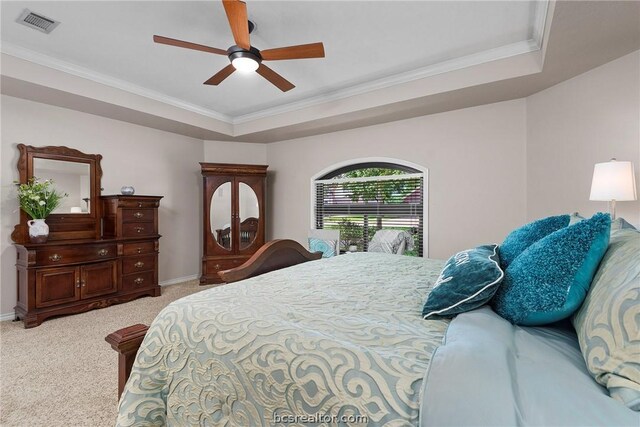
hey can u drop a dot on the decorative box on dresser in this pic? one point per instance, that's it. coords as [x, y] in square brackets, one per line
[80, 268]
[234, 216]
[133, 221]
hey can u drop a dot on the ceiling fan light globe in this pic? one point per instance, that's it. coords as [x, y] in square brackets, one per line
[245, 65]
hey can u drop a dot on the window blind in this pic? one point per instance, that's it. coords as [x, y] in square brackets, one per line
[358, 207]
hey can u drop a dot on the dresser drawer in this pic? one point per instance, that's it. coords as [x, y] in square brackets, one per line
[139, 248]
[71, 254]
[140, 280]
[134, 229]
[138, 215]
[138, 203]
[134, 264]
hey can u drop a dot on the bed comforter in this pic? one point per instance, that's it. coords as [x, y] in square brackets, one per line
[324, 341]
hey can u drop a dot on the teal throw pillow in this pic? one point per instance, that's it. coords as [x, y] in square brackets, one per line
[468, 280]
[548, 281]
[327, 247]
[521, 238]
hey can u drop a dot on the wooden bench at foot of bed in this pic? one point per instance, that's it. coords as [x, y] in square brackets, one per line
[274, 255]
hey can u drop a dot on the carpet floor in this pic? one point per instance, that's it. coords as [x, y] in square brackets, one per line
[63, 373]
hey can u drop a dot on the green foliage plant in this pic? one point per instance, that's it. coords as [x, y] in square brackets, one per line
[39, 198]
[371, 191]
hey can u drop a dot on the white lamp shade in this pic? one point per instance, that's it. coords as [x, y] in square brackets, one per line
[613, 181]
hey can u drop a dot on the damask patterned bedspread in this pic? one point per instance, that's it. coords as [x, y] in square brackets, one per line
[323, 341]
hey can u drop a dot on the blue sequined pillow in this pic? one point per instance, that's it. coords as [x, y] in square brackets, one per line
[521, 238]
[327, 247]
[468, 280]
[548, 281]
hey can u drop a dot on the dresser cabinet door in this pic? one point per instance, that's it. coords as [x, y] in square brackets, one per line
[56, 286]
[98, 279]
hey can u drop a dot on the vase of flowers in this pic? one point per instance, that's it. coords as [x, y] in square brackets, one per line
[38, 199]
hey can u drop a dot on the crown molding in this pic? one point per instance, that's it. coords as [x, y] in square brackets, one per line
[540, 16]
[539, 21]
[534, 44]
[85, 73]
[502, 52]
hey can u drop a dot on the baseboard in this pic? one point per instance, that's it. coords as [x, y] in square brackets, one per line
[12, 315]
[7, 316]
[180, 280]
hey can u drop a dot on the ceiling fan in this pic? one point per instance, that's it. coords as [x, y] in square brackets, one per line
[243, 56]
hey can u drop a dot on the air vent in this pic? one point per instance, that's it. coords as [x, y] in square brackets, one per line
[37, 21]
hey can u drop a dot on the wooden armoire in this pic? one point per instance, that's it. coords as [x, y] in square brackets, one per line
[234, 216]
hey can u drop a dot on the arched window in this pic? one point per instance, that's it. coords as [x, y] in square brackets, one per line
[360, 199]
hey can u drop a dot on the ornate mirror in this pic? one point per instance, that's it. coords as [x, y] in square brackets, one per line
[249, 213]
[220, 216]
[71, 178]
[74, 173]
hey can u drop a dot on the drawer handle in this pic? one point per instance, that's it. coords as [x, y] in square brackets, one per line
[55, 257]
[139, 204]
[217, 266]
[78, 283]
[138, 281]
[138, 215]
[103, 252]
[139, 229]
[83, 284]
[139, 264]
[139, 250]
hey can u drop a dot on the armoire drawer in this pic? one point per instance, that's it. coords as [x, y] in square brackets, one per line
[224, 264]
[61, 255]
[134, 264]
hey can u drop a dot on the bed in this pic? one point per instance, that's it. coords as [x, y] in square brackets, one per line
[342, 341]
[331, 341]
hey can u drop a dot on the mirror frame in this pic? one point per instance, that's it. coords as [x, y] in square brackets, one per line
[65, 226]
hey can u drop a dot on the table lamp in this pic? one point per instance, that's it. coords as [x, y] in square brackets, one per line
[613, 182]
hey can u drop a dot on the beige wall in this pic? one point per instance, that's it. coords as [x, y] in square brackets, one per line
[476, 162]
[153, 161]
[235, 152]
[575, 124]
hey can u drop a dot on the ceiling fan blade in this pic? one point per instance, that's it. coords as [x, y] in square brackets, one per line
[311, 50]
[217, 78]
[188, 45]
[276, 79]
[238, 21]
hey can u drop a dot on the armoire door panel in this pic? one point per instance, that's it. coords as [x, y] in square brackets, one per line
[251, 214]
[220, 214]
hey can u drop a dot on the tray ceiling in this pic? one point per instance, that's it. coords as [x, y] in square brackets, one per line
[368, 44]
[386, 60]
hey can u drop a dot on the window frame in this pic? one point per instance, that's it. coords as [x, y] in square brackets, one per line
[341, 167]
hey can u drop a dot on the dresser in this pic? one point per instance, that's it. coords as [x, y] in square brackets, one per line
[103, 251]
[133, 221]
[234, 216]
